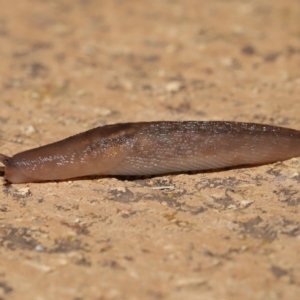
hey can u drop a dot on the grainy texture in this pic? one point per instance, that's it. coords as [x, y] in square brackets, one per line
[67, 66]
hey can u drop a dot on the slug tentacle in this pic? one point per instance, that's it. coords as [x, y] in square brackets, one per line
[5, 160]
[150, 148]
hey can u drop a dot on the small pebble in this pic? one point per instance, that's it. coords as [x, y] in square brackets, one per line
[39, 248]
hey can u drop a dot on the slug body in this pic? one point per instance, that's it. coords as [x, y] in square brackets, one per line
[153, 148]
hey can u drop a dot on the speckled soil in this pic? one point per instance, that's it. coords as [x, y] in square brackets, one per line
[67, 66]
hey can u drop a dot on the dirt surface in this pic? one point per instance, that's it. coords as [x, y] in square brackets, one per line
[67, 66]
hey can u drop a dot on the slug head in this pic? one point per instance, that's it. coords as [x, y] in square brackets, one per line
[13, 173]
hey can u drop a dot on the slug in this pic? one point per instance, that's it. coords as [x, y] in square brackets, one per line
[150, 148]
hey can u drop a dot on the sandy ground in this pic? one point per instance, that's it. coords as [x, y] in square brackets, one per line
[67, 66]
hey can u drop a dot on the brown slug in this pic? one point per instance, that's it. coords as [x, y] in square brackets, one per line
[150, 148]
